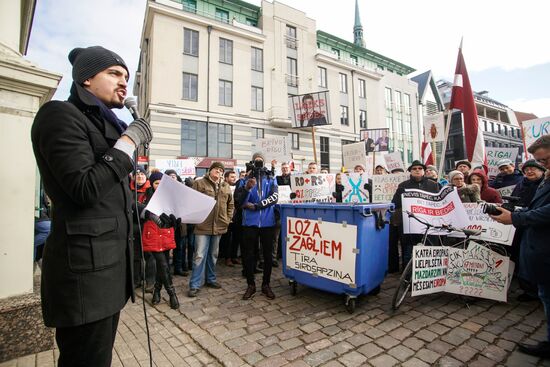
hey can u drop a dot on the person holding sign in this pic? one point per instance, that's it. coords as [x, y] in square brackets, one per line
[420, 182]
[534, 221]
[257, 195]
[359, 168]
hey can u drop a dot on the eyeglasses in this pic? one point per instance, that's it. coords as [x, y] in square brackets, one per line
[543, 161]
[416, 168]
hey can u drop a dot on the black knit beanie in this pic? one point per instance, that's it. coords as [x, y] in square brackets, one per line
[89, 61]
[216, 165]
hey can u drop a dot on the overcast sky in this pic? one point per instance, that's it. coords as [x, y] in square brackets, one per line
[504, 41]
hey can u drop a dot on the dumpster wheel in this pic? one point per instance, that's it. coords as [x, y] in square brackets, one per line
[350, 304]
[293, 287]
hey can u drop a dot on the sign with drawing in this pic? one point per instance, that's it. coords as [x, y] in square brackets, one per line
[385, 186]
[312, 188]
[354, 188]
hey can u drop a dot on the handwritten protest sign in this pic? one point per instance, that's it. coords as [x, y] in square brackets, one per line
[385, 186]
[394, 161]
[434, 128]
[312, 188]
[491, 230]
[354, 154]
[439, 208]
[284, 194]
[183, 167]
[534, 129]
[429, 274]
[507, 190]
[324, 249]
[276, 148]
[478, 272]
[354, 188]
[496, 154]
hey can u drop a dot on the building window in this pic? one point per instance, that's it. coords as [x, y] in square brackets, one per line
[343, 83]
[190, 42]
[499, 129]
[362, 89]
[257, 59]
[226, 51]
[190, 6]
[190, 86]
[291, 37]
[226, 93]
[292, 72]
[505, 130]
[201, 139]
[408, 115]
[295, 140]
[222, 15]
[257, 99]
[363, 119]
[344, 115]
[399, 114]
[485, 125]
[492, 127]
[389, 114]
[251, 22]
[257, 133]
[322, 77]
[325, 153]
[336, 52]
[512, 131]
[354, 60]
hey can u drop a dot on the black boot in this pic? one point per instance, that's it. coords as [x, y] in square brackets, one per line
[156, 294]
[174, 303]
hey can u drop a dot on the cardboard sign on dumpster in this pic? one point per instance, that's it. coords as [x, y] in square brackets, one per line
[324, 249]
[312, 188]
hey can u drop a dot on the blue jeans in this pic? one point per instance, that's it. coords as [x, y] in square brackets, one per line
[41, 232]
[544, 295]
[206, 253]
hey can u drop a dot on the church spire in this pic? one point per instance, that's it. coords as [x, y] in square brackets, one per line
[358, 28]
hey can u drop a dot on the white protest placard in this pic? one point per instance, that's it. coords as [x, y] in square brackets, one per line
[183, 167]
[439, 208]
[276, 148]
[172, 197]
[496, 154]
[429, 273]
[534, 129]
[284, 194]
[385, 186]
[394, 161]
[491, 230]
[325, 249]
[312, 188]
[354, 154]
[354, 188]
[506, 191]
[434, 128]
[477, 272]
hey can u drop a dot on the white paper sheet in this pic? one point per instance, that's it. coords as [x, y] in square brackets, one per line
[172, 197]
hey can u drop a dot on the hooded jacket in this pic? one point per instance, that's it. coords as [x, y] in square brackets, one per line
[506, 180]
[219, 218]
[526, 190]
[264, 196]
[154, 238]
[488, 194]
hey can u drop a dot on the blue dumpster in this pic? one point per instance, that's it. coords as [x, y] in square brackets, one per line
[338, 248]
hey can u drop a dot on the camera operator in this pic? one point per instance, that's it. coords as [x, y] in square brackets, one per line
[534, 221]
[257, 195]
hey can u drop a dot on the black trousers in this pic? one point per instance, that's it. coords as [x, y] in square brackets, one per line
[249, 243]
[88, 345]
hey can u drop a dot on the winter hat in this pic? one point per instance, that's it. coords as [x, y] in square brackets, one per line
[532, 163]
[360, 166]
[89, 61]
[141, 169]
[464, 161]
[504, 162]
[155, 176]
[258, 155]
[452, 175]
[416, 163]
[431, 168]
[216, 165]
[170, 172]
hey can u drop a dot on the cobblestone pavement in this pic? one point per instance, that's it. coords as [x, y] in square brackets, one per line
[313, 329]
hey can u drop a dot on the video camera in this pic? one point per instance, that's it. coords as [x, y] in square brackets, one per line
[512, 204]
[256, 168]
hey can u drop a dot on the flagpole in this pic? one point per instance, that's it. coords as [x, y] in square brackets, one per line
[444, 149]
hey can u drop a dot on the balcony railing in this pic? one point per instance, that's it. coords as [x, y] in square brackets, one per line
[291, 42]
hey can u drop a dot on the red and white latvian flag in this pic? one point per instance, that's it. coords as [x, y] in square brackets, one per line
[463, 99]
[427, 156]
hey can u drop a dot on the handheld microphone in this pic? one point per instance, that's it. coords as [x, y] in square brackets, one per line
[131, 104]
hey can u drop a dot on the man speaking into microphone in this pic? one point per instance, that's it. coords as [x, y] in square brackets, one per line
[84, 154]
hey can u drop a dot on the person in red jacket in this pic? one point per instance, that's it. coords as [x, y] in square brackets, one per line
[158, 239]
[488, 194]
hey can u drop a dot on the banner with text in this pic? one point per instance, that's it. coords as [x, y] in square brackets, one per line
[439, 208]
[429, 273]
[183, 167]
[324, 249]
[385, 186]
[276, 148]
[311, 109]
[284, 194]
[394, 161]
[355, 154]
[534, 129]
[496, 154]
[312, 188]
[507, 190]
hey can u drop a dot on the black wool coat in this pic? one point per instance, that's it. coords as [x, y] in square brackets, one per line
[87, 261]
